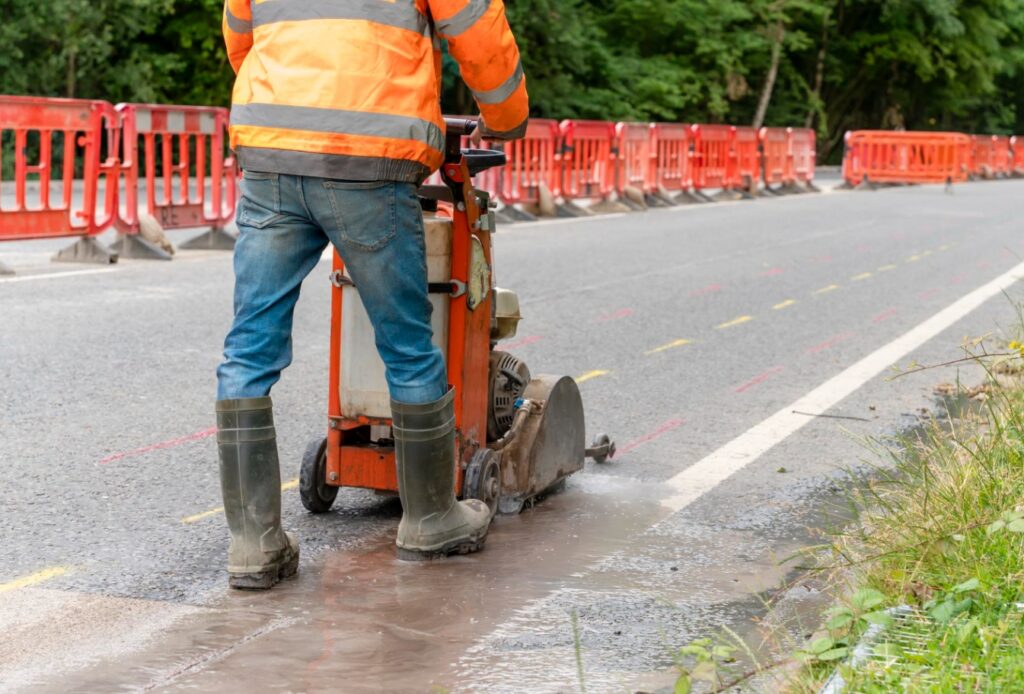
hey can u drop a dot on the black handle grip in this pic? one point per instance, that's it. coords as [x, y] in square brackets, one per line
[478, 160]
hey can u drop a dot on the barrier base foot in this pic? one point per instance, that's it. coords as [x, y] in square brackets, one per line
[86, 250]
[136, 247]
[571, 209]
[512, 214]
[216, 239]
[5, 269]
[777, 192]
[687, 197]
[811, 188]
[629, 203]
[610, 206]
[658, 200]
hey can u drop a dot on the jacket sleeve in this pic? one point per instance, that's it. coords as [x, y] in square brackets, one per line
[237, 27]
[482, 43]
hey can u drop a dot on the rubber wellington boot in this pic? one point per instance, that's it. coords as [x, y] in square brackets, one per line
[260, 554]
[433, 523]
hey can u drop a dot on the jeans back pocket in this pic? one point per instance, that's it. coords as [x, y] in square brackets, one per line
[364, 212]
[260, 203]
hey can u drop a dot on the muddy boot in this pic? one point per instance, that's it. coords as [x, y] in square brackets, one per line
[433, 523]
[261, 554]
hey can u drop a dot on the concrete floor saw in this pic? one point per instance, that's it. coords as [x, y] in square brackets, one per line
[518, 435]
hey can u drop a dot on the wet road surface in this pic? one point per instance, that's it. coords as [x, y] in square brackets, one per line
[695, 334]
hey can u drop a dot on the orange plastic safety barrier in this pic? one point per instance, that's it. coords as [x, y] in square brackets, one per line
[982, 155]
[670, 152]
[586, 159]
[775, 158]
[57, 144]
[802, 155]
[531, 163]
[747, 167]
[1017, 161]
[180, 155]
[714, 165]
[905, 157]
[1001, 155]
[633, 157]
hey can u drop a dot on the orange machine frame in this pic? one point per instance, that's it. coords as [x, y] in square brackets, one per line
[371, 466]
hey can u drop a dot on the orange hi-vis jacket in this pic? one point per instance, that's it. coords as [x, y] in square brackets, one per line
[350, 89]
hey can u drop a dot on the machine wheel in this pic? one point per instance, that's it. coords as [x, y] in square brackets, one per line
[483, 479]
[317, 496]
[602, 449]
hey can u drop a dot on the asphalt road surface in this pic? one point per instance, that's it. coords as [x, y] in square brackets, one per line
[739, 353]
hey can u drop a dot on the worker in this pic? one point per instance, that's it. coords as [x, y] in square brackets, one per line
[335, 121]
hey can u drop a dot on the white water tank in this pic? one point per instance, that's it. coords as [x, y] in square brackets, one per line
[364, 390]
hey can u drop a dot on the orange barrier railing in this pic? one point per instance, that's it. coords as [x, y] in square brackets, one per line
[633, 157]
[531, 163]
[802, 155]
[1017, 149]
[905, 157]
[775, 158]
[714, 165]
[670, 154]
[586, 159]
[1001, 165]
[58, 142]
[982, 155]
[747, 168]
[177, 153]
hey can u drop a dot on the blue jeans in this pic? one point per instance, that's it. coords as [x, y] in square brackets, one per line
[284, 224]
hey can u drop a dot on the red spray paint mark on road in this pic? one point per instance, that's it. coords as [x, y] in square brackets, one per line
[830, 342]
[171, 443]
[927, 294]
[984, 265]
[957, 279]
[521, 343]
[760, 378]
[863, 248]
[621, 313]
[823, 259]
[772, 272]
[710, 289]
[884, 315]
[660, 431]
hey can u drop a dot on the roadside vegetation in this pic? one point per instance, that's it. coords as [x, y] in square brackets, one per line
[935, 556]
[928, 571]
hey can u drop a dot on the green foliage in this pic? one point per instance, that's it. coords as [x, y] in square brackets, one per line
[842, 64]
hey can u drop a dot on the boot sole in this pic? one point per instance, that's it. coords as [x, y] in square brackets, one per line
[264, 580]
[461, 547]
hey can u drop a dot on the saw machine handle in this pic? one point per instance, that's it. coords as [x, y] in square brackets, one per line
[478, 160]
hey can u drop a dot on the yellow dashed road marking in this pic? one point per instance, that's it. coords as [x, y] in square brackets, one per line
[926, 253]
[886, 268]
[913, 258]
[825, 290]
[591, 374]
[784, 304]
[33, 579]
[945, 247]
[675, 343]
[861, 276]
[734, 322]
[290, 484]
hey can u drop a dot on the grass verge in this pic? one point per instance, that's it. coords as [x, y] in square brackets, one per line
[940, 530]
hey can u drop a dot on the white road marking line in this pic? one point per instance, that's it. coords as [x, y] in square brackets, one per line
[706, 474]
[54, 275]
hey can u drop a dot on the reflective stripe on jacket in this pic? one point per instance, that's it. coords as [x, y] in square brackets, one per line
[350, 89]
